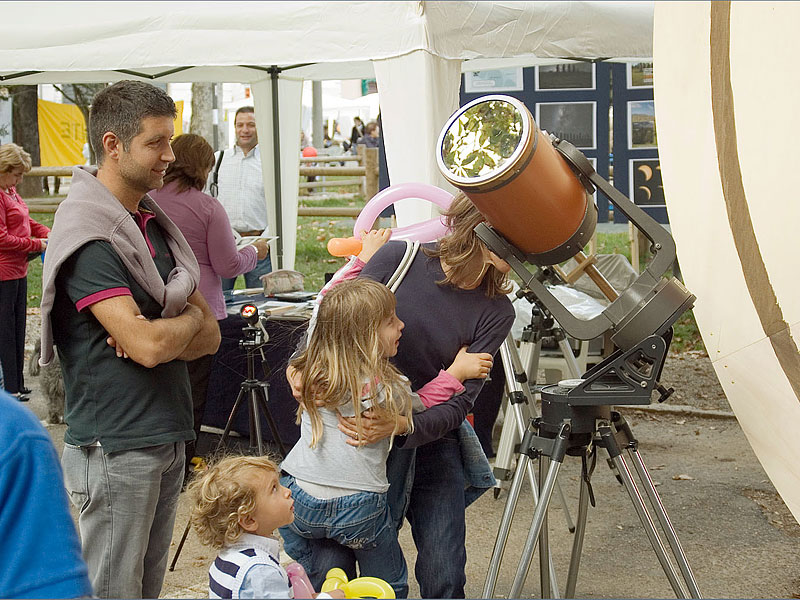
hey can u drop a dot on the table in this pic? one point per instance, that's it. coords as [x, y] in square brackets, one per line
[230, 369]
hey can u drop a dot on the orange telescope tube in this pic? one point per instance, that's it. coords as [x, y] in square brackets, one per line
[534, 199]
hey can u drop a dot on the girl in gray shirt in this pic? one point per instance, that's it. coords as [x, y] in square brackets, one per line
[340, 488]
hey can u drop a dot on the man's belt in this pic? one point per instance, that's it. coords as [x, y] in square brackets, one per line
[256, 232]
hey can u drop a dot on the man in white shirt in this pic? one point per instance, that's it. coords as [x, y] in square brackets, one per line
[241, 190]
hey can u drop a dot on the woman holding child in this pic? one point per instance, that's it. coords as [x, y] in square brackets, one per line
[452, 296]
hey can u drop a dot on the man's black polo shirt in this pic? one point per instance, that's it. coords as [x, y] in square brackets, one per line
[113, 400]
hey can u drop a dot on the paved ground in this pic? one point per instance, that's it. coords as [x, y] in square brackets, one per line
[739, 538]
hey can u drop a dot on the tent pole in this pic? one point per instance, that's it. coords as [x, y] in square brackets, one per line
[274, 71]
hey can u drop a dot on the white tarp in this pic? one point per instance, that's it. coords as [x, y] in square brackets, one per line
[726, 131]
[63, 42]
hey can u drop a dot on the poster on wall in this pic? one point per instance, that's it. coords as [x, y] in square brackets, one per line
[642, 124]
[493, 80]
[571, 121]
[640, 75]
[566, 76]
[645, 182]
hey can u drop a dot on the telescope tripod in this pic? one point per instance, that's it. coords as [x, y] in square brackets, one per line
[576, 422]
[256, 393]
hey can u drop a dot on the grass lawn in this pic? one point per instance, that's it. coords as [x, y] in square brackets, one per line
[312, 259]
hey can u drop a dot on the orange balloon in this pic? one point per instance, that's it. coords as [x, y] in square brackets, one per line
[344, 246]
[309, 151]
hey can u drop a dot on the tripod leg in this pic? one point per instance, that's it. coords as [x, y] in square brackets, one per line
[666, 524]
[615, 454]
[544, 538]
[229, 425]
[505, 526]
[580, 530]
[276, 436]
[180, 546]
[518, 380]
[557, 454]
[255, 423]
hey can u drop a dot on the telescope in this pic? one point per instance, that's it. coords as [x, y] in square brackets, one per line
[536, 192]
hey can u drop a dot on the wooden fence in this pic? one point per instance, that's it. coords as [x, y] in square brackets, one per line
[364, 173]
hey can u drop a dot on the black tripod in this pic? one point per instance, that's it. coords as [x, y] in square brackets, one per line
[576, 421]
[255, 391]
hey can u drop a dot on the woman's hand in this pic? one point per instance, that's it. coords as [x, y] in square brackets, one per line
[470, 366]
[374, 428]
[371, 241]
[262, 248]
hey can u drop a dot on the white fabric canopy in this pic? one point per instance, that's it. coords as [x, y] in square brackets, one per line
[414, 49]
[725, 96]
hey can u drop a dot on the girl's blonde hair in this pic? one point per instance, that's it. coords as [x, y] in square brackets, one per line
[222, 494]
[344, 357]
[464, 254]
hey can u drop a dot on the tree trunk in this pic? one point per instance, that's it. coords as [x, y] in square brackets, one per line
[202, 99]
[25, 117]
[82, 95]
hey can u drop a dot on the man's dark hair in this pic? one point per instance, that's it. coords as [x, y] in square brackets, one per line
[120, 108]
[244, 109]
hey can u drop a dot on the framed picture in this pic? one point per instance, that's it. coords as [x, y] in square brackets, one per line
[642, 124]
[566, 76]
[640, 75]
[571, 121]
[646, 186]
[493, 80]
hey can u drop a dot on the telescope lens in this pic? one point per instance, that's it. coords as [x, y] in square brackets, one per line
[481, 140]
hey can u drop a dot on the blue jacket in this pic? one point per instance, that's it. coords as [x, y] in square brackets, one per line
[39, 547]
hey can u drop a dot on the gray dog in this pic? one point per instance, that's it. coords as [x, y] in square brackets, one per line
[52, 383]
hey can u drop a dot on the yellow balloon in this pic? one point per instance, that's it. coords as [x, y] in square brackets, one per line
[361, 587]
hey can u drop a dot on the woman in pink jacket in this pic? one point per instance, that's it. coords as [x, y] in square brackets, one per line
[20, 236]
[206, 227]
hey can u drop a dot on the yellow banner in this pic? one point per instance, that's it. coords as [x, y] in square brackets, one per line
[62, 133]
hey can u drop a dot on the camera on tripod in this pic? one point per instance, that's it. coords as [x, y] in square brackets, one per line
[255, 332]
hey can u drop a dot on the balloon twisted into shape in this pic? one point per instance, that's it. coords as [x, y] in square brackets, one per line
[427, 231]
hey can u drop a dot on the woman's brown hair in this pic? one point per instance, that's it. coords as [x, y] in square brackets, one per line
[194, 157]
[463, 255]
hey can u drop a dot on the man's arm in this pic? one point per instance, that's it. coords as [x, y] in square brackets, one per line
[207, 339]
[148, 343]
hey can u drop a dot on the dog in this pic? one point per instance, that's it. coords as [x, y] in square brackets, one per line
[51, 381]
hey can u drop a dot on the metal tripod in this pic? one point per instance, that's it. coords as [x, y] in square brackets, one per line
[257, 393]
[576, 421]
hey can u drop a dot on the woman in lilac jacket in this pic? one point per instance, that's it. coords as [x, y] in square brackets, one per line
[206, 227]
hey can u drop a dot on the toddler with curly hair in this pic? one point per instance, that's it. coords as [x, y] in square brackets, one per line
[238, 503]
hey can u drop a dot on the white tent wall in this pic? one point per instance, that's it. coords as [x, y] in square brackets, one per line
[732, 208]
[290, 108]
[418, 91]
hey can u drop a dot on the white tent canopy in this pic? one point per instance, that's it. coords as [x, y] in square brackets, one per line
[416, 51]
